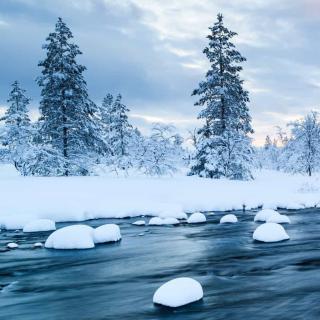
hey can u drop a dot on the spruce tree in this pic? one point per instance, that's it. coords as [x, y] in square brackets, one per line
[223, 148]
[68, 122]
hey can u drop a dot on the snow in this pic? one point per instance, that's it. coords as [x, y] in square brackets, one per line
[278, 218]
[197, 217]
[71, 237]
[139, 223]
[156, 221]
[229, 218]
[178, 292]
[40, 225]
[270, 232]
[66, 199]
[106, 233]
[262, 215]
[38, 245]
[170, 221]
[12, 245]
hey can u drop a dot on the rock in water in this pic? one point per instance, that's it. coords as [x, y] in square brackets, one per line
[270, 232]
[12, 245]
[278, 218]
[156, 221]
[106, 233]
[197, 217]
[178, 292]
[139, 223]
[229, 218]
[262, 215]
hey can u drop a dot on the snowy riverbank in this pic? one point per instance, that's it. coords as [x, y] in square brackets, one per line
[82, 198]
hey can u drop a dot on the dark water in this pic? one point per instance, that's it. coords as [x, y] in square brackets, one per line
[242, 279]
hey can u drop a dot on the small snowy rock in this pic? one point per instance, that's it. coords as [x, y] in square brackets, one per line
[40, 225]
[270, 232]
[278, 218]
[12, 245]
[139, 223]
[178, 292]
[106, 233]
[262, 215]
[197, 217]
[170, 221]
[156, 221]
[38, 245]
[71, 237]
[229, 218]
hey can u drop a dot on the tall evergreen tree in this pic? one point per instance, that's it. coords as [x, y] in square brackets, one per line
[68, 122]
[18, 132]
[223, 148]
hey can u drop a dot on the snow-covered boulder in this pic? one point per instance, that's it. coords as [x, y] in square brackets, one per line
[139, 223]
[106, 233]
[270, 232]
[263, 214]
[178, 292]
[71, 237]
[155, 221]
[170, 221]
[38, 245]
[278, 218]
[12, 245]
[197, 217]
[229, 218]
[40, 225]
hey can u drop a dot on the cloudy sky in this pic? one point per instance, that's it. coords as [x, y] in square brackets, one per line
[151, 52]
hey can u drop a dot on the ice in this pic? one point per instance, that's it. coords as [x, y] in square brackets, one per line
[278, 218]
[270, 232]
[197, 217]
[229, 218]
[139, 223]
[71, 237]
[178, 292]
[106, 233]
[12, 245]
[40, 225]
[262, 215]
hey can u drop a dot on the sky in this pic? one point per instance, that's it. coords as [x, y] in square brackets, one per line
[150, 51]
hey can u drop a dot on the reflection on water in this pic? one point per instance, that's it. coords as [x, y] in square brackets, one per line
[241, 278]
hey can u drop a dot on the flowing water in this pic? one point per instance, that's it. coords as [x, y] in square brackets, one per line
[241, 278]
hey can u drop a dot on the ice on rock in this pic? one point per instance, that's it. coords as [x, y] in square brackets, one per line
[40, 225]
[178, 292]
[270, 232]
[197, 217]
[12, 245]
[278, 218]
[106, 233]
[262, 215]
[170, 221]
[155, 221]
[229, 218]
[71, 237]
[139, 223]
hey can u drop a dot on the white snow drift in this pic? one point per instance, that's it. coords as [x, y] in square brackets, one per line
[106, 233]
[197, 217]
[263, 214]
[229, 218]
[270, 232]
[178, 292]
[40, 225]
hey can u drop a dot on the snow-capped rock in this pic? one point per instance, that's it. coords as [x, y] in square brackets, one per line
[12, 245]
[278, 218]
[71, 237]
[197, 217]
[270, 232]
[38, 245]
[229, 218]
[263, 214]
[139, 223]
[170, 221]
[40, 225]
[155, 221]
[106, 233]
[178, 292]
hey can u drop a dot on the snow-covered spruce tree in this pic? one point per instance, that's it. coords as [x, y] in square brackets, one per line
[68, 122]
[223, 148]
[17, 130]
[302, 151]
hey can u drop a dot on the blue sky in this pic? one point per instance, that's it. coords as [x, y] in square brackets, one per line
[151, 52]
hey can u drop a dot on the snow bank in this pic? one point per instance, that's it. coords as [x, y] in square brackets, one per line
[178, 292]
[278, 218]
[82, 198]
[270, 232]
[106, 233]
[40, 225]
[197, 217]
[262, 215]
[139, 223]
[71, 237]
[229, 218]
